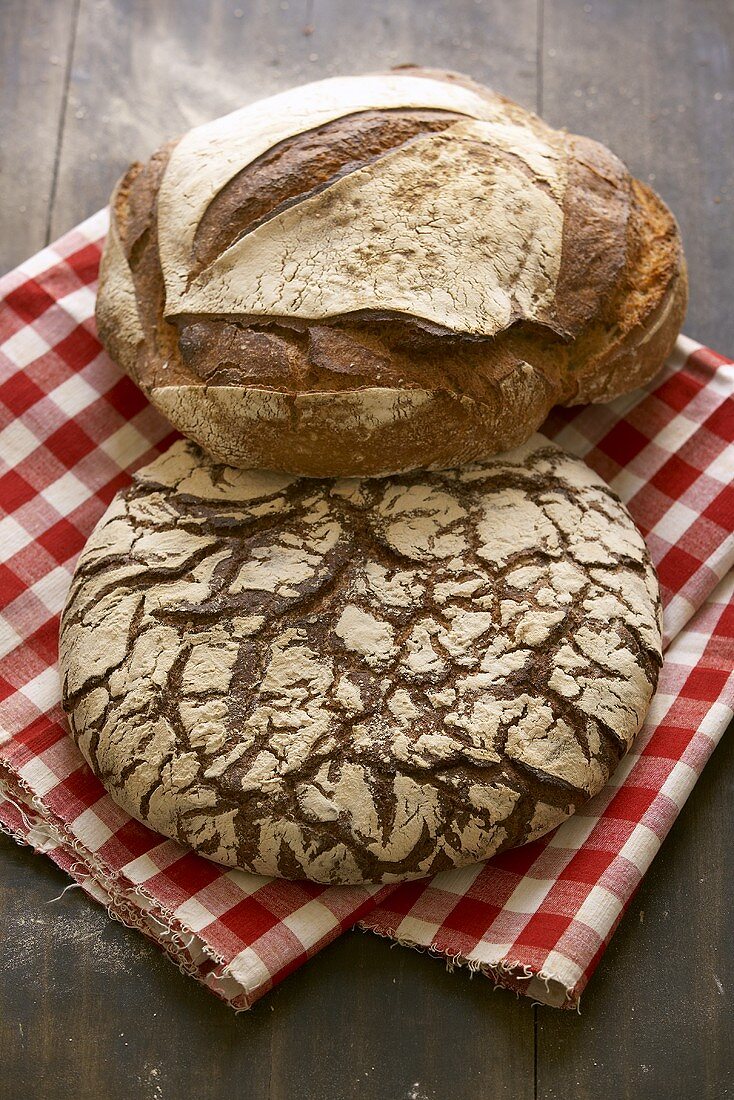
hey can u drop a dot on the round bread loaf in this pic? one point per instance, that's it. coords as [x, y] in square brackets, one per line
[376, 274]
[360, 680]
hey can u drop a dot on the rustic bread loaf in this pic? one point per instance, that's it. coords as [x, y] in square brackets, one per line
[360, 680]
[382, 273]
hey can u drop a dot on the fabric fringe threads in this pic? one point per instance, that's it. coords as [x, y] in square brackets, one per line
[248, 934]
[505, 974]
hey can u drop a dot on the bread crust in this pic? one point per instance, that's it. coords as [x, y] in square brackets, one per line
[250, 370]
[360, 680]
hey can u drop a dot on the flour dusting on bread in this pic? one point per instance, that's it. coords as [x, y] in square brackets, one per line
[384, 273]
[360, 680]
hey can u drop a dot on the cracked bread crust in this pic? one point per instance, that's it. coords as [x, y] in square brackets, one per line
[378, 274]
[360, 680]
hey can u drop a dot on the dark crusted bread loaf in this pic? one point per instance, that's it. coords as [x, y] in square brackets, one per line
[360, 680]
[375, 274]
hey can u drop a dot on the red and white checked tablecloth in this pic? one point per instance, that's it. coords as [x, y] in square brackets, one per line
[537, 919]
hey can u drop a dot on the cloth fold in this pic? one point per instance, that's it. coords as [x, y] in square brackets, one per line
[72, 430]
[537, 918]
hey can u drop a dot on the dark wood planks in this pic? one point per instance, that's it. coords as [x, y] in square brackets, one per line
[35, 46]
[657, 1020]
[363, 1020]
[144, 72]
[655, 82]
[89, 1008]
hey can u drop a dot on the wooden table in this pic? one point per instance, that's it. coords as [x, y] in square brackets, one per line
[90, 1009]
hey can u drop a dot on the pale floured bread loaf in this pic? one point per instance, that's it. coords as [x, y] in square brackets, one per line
[360, 680]
[384, 273]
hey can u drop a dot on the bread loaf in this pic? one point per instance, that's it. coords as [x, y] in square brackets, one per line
[376, 274]
[360, 680]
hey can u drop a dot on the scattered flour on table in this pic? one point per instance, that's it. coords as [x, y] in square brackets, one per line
[416, 1093]
[150, 1082]
[87, 928]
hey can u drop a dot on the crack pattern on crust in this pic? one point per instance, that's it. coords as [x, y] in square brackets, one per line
[360, 680]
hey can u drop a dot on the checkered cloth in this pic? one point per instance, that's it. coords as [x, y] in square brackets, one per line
[537, 919]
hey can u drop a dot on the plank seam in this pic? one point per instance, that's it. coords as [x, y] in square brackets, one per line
[62, 118]
[540, 14]
[535, 1052]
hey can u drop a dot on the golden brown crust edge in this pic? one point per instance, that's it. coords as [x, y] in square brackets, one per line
[301, 431]
[373, 431]
[370, 432]
[654, 308]
[386, 717]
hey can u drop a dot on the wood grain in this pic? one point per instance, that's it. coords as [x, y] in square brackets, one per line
[364, 1020]
[145, 72]
[89, 1008]
[35, 47]
[655, 82]
[656, 1020]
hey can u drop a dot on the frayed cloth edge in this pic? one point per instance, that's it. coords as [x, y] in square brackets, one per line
[505, 973]
[175, 943]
